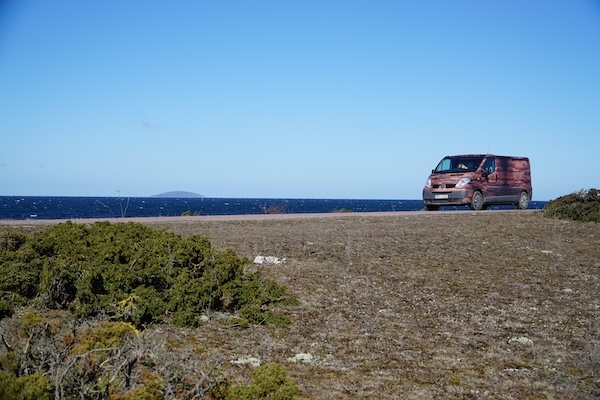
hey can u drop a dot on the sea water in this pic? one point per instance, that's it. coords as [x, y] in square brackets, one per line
[43, 207]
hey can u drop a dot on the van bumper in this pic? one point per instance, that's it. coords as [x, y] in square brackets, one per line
[446, 197]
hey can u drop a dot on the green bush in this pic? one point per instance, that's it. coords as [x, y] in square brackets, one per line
[269, 381]
[107, 335]
[580, 206]
[6, 308]
[29, 387]
[129, 272]
[152, 389]
[12, 241]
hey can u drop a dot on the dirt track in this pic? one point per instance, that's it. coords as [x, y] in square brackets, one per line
[245, 217]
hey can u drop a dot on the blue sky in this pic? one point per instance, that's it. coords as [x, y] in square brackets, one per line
[293, 99]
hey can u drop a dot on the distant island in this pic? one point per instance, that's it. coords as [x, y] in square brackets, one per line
[188, 195]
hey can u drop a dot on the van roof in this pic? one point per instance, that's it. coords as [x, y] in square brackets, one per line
[487, 155]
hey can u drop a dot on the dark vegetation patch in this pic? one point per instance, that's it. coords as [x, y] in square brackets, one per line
[130, 272]
[82, 293]
[580, 206]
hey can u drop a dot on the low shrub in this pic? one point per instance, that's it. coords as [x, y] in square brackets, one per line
[274, 208]
[52, 356]
[107, 335]
[12, 241]
[152, 389]
[269, 381]
[29, 387]
[131, 273]
[580, 206]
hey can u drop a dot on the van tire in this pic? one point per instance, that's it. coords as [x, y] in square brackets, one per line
[523, 201]
[477, 202]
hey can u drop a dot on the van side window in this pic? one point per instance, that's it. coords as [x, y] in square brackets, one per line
[489, 166]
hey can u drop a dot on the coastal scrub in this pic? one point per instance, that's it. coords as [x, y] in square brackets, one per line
[132, 273]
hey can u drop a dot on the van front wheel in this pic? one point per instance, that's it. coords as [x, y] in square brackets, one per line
[523, 201]
[477, 202]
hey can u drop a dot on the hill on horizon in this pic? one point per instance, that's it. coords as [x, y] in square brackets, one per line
[179, 194]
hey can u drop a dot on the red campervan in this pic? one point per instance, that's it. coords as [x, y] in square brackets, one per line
[479, 180]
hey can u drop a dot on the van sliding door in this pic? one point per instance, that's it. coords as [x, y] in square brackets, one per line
[492, 187]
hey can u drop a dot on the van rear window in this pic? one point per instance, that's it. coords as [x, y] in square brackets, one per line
[459, 164]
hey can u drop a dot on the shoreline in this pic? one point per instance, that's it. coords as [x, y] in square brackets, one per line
[253, 217]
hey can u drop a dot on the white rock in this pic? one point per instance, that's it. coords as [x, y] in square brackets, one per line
[306, 358]
[521, 340]
[268, 260]
[254, 362]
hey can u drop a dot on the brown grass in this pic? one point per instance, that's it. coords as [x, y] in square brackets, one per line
[497, 305]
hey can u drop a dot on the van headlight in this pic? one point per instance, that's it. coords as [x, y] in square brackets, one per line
[463, 182]
[428, 183]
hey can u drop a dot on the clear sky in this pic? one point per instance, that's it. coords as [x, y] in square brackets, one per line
[293, 98]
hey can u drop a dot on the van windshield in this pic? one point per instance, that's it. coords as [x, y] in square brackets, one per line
[459, 164]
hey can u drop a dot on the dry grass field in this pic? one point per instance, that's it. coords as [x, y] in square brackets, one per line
[481, 305]
[465, 305]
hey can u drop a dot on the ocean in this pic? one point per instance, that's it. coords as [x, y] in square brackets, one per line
[33, 207]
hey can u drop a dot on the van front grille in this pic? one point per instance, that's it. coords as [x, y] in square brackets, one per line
[446, 186]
